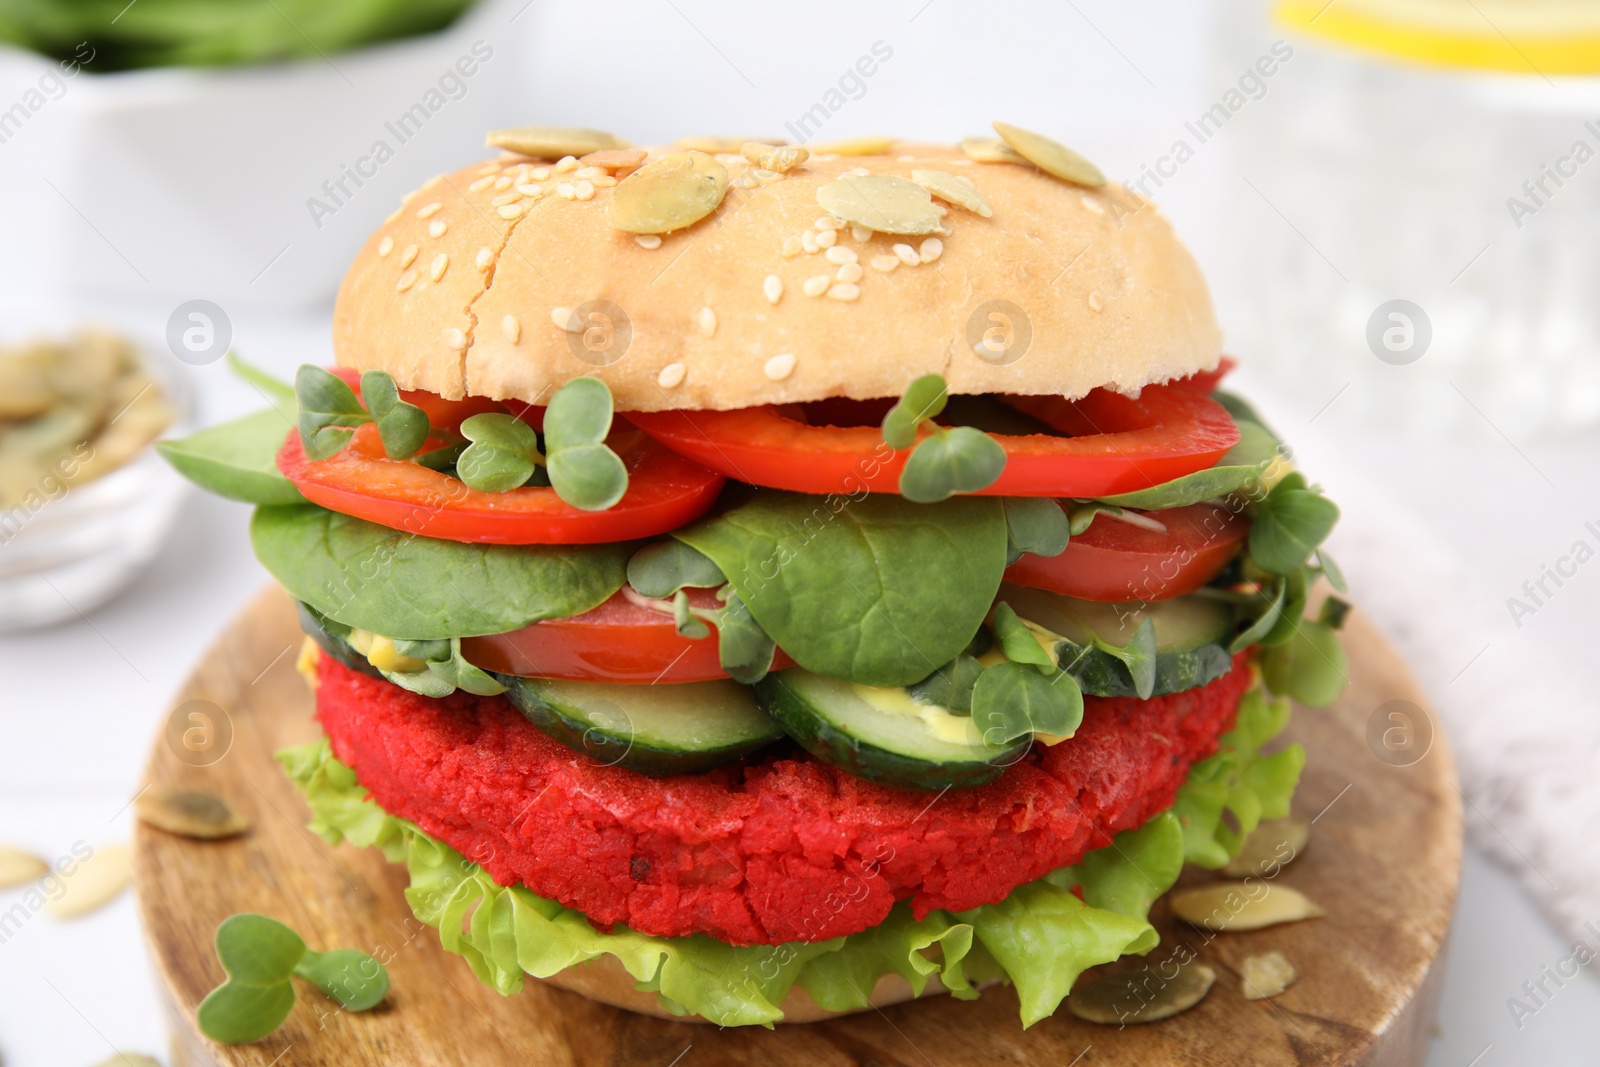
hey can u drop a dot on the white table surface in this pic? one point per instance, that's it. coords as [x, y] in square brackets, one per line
[81, 703]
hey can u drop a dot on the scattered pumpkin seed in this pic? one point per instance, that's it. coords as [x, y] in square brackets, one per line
[552, 142]
[949, 188]
[990, 150]
[1129, 996]
[881, 202]
[189, 813]
[1051, 156]
[780, 158]
[1231, 906]
[1267, 975]
[19, 868]
[674, 191]
[1271, 845]
[94, 883]
[856, 146]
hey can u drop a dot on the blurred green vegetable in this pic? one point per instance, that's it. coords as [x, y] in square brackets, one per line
[212, 33]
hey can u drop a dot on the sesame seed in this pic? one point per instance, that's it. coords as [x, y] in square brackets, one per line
[566, 191]
[437, 227]
[647, 240]
[816, 285]
[860, 172]
[488, 168]
[826, 222]
[845, 291]
[429, 210]
[707, 321]
[539, 174]
[386, 246]
[840, 254]
[485, 258]
[885, 263]
[671, 376]
[566, 163]
[907, 254]
[412, 195]
[566, 319]
[791, 247]
[827, 238]
[1093, 205]
[772, 288]
[407, 280]
[605, 181]
[511, 328]
[808, 242]
[906, 159]
[589, 172]
[503, 182]
[440, 264]
[430, 183]
[396, 213]
[861, 233]
[780, 366]
[534, 191]
[509, 211]
[850, 272]
[932, 249]
[506, 198]
[409, 256]
[1095, 303]
[480, 185]
[454, 338]
[584, 190]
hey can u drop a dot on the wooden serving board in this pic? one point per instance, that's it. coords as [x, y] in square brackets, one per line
[1384, 860]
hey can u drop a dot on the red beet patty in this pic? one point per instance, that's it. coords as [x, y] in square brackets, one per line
[784, 849]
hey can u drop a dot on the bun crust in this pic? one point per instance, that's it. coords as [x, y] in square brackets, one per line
[606, 980]
[1107, 292]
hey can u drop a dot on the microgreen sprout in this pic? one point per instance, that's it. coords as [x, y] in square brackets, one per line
[584, 471]
[330, 411]
[949, 460]
[260, 955]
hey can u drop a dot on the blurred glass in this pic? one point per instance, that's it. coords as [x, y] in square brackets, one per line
[1426, 203]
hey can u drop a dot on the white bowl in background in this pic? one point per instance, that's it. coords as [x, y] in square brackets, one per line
[86, 545]
[175, 184]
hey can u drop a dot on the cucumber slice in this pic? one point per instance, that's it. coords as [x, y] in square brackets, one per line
[883, 734]
[330, 637]
[653, 729]
[1192, 636]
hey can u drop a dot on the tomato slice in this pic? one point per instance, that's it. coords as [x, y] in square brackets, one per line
[619, 641]
[665, 491]
[1206, 381]
[1116, 445]
[1115, 562]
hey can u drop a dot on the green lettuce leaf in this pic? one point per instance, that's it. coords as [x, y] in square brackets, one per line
[1039, 939]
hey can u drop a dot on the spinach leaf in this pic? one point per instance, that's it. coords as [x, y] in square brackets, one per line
[236, 459]
[418, 588]
[1189, 489]
[1034, 525]
[661, 568]
[880, 591]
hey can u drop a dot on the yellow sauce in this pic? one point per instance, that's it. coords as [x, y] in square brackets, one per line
[382, 654]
